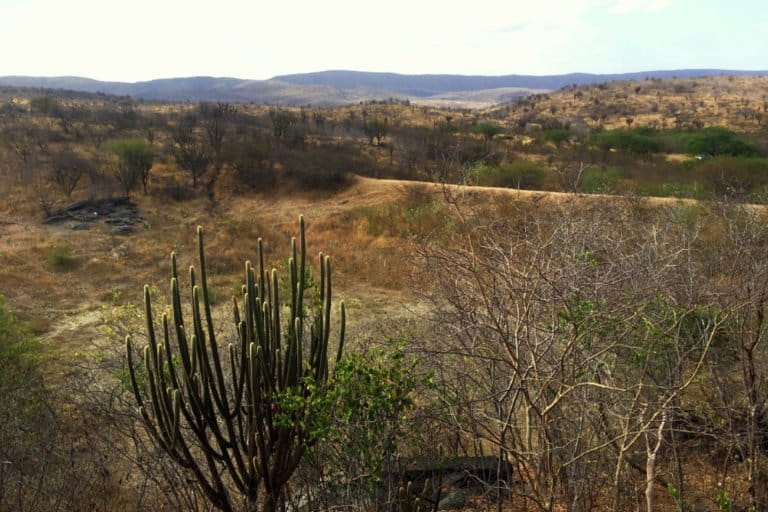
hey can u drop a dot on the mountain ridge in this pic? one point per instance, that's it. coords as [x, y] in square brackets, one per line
[442, 83]
[337, 87]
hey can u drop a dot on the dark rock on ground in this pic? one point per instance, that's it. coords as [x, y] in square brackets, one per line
[120, 212]
[454, 499]
[488, 470]
[458, 478]
[121, 230]
[55, 219]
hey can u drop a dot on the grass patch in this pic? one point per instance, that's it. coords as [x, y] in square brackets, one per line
[397, 220]
[673, 189]
[60, 258]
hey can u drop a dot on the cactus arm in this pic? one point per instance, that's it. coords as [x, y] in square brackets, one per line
[292, 277]
[262, 278]
[302, 266]
[327, 302]
[178, 322]
[342, 329]
[220, 390]
[276, 330]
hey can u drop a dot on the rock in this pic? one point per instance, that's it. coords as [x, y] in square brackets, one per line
[453, 499]
[486, 470]
[121, 230]
[120, 213]
[459, 477]
[80, 205]
[120, 220]
[55, 219]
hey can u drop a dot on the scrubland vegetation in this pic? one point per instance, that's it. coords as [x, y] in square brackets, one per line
[600, 337]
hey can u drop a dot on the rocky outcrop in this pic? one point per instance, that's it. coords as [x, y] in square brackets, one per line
[459, 478]
[120, 214]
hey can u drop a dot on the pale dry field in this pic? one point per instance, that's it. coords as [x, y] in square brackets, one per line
[68, 306]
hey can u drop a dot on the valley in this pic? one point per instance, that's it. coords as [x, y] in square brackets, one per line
[570, 284]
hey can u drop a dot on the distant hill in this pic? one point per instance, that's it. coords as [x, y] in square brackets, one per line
[342, 87]
[233, 90]
[429, 85]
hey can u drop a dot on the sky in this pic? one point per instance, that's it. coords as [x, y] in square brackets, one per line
[148, 39]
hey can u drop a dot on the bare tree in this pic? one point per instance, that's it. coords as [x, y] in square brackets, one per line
[563, 345]
[67, 169]
[742, 269]
[190, 153]
[215, 119]
[22, 143]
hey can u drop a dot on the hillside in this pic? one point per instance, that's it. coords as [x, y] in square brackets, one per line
[202, 89]
[346, 87]
[739, 102]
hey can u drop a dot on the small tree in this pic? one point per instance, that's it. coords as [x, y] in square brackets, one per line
[135, 158]
[281, 122]
[375, 129]
[21, 142]
[557, 136]
[215, 118]
[67, 169]
[43, 104]
[488, 130]
[190, 153]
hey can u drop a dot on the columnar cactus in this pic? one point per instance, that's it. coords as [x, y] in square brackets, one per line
[229, 424]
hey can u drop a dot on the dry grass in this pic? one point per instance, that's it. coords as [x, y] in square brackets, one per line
[366, 228]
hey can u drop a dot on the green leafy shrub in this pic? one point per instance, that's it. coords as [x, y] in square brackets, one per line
[487, 129]
[597, 180]
[557, 135]
[519, 174]
[363, 418]
[716, 140]
[674, 141]
[638, 141]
